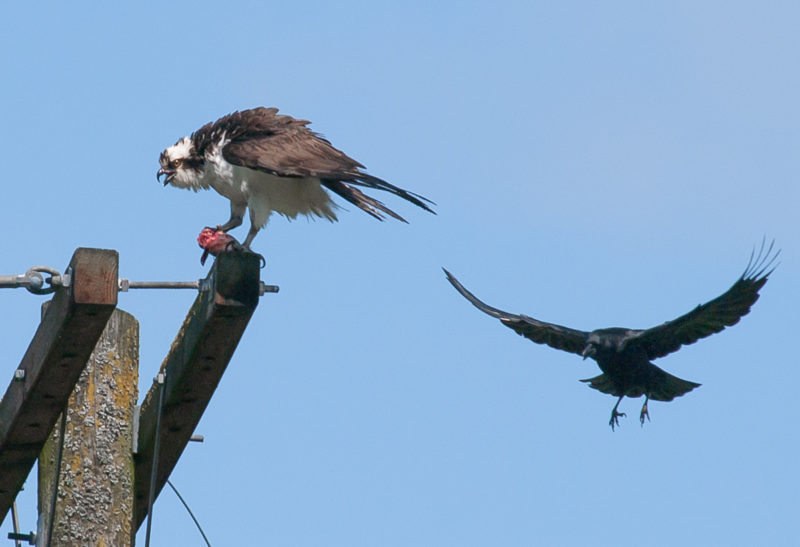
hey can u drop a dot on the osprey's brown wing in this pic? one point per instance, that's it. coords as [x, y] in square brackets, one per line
[711, 317]
[555, 336]
[264, 140]
[281, 145]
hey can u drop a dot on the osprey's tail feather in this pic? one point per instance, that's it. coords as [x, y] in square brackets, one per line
[359, 199]
[368, 181]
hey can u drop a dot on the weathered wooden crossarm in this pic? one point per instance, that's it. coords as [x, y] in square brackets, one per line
[57, 354]
[196, 361]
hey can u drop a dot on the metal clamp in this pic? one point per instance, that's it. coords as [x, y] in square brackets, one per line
[35, 282]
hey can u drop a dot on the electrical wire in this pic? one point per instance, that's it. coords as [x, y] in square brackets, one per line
[190, 511]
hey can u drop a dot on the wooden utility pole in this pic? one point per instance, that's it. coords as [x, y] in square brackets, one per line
[94, 505]
[40, 387]
[194, 366]
[106, 479]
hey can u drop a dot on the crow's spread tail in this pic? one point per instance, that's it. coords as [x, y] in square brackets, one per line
[651, 381]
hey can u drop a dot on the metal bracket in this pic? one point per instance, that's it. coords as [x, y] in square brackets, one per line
[137, 409]
[30, 537]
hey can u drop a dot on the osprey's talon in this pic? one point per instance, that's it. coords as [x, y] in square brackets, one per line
[262, 259]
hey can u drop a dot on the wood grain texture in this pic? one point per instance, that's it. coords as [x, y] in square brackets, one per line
[95, 494]
[194, 366]
[66, 336]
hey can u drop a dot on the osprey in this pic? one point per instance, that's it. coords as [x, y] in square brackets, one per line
[263, 161]
[624, 354]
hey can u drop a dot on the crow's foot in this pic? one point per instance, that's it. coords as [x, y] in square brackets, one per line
[614, 421]
[615, 415]
[644, 414]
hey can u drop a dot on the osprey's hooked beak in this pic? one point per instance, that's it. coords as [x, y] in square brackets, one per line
[170, 173]
[587, 352]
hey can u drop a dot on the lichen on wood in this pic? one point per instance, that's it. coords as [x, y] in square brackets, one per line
[95, 493]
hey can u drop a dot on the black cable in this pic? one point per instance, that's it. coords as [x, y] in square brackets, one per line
[190, 512]
[161, 380]
[55, 480]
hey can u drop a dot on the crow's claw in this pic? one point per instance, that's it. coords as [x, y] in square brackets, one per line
[614, 421]
[644, 414]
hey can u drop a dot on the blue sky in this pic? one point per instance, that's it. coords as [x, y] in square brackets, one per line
[595, 164]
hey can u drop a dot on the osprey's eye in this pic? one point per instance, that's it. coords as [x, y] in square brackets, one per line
[175, 163]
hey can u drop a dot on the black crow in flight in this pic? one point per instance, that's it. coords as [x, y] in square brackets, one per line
[624, 354]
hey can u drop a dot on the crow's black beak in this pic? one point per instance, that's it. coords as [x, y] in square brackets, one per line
[169, 173]
[586, 352]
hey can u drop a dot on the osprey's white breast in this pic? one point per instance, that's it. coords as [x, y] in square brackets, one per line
[264, 193]
[221, 175]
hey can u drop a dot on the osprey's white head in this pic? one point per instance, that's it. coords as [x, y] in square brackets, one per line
[181, 165]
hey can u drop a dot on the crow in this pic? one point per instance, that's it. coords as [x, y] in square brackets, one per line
[624, 355]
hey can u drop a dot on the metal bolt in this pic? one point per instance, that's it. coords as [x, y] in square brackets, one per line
[35, 282]
[19, 375]
[264, 288]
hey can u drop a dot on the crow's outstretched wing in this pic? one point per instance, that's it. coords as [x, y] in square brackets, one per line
[711, 317]
[555, 336]
[264, 140]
